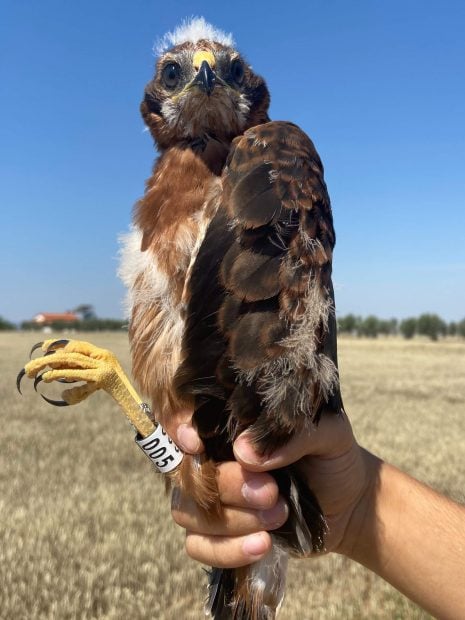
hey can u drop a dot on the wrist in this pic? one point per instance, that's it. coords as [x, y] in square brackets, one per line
[362, 535]
[411, 536]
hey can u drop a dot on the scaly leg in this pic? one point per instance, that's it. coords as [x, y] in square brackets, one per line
[76, 360]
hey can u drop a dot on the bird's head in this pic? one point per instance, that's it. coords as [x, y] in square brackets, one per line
[202, 88]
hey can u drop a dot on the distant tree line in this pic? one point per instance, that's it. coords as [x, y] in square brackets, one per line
[86, 325]
[6, 325]
[430, 325]
[86, 321]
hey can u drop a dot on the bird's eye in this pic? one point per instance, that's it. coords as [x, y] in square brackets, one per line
[171, 75]
[237, 71]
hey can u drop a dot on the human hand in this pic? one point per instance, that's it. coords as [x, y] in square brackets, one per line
[334, 465]
[377, 515]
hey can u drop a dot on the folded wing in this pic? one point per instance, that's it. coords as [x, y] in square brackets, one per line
[259, 348]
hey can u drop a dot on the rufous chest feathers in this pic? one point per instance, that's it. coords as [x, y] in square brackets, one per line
[169, 225]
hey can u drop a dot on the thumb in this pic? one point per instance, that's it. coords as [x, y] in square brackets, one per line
[179, 428]
[330, 438]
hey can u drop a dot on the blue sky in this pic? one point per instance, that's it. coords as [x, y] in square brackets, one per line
[378, 85]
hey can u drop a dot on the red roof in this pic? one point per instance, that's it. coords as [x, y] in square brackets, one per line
[51, 317]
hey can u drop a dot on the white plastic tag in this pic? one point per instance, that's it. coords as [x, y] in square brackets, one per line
[161, 450]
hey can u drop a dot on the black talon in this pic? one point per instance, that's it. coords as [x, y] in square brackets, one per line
[56, 403]
[35, 347]
[57, 344]
[37, 380]
[19, 379]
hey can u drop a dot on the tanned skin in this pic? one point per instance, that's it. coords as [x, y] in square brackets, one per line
[378, 516]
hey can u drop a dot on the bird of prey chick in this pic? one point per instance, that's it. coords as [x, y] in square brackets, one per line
[229, 275]
[228, 267]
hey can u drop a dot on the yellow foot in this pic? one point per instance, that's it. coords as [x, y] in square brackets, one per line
[68, 361]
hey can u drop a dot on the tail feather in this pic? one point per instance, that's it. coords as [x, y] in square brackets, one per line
[253, 592]
[219, 604]
[305, 529]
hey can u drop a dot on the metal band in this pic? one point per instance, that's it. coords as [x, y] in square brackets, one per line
[160, 449]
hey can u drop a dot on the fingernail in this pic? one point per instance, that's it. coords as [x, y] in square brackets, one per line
[188, 439]
[276, 516]
[245, 451]
[257, 493]
[255, 544]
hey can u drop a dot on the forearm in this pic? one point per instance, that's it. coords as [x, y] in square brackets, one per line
[413, 538]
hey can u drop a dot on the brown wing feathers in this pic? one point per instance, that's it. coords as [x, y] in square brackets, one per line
[259, 345]
[263, 268]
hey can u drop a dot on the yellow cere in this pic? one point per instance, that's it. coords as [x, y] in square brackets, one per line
[202, 55]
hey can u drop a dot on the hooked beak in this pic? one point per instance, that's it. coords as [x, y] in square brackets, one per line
[205, 78]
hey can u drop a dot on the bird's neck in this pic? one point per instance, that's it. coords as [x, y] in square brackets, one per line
[179, 185]
[212, 151]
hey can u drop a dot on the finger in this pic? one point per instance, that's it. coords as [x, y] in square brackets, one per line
[243, 489]
[181, 431]
[233, 522]
[188, 439]
[227, 552]
[331, 437]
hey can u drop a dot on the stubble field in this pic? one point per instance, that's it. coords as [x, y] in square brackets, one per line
[85, 528]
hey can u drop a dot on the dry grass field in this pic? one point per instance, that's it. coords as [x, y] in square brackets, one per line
[85, 530]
